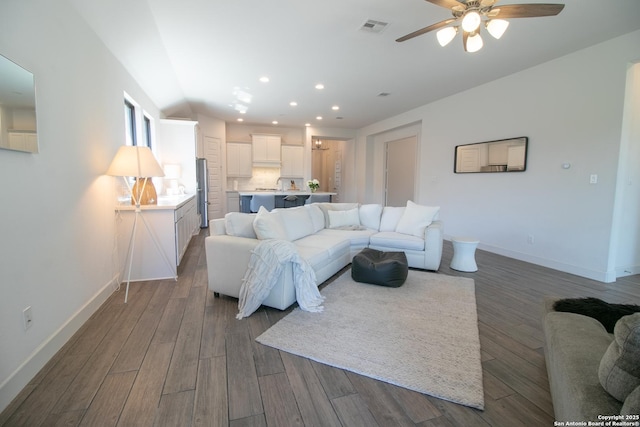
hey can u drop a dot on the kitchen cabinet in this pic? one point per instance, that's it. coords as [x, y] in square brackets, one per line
[266, 150]
[239, 159]
[233, 201]
[292, 161]
[23, 141]
[173, 221]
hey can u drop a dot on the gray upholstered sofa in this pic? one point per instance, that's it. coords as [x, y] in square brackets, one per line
[586, 367]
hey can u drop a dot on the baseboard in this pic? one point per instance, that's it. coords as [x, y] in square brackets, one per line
[601, 276]
[627, 271]
[10, 388]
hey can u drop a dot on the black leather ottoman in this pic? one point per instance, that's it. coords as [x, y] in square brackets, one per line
[380, 268]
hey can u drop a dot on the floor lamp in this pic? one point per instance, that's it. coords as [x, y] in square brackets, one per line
[139, 163]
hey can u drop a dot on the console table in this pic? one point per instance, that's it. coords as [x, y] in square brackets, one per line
[173, 221]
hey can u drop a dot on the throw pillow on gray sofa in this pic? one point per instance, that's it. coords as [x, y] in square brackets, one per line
[619, 370]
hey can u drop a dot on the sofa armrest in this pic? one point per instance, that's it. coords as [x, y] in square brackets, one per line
[433, 238]
[227, 261]
[217, 227]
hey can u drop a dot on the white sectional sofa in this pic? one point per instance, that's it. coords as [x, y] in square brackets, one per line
[327, 235]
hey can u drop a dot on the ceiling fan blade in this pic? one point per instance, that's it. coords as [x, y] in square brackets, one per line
[425, 30]
[448, 4]
[528, 10]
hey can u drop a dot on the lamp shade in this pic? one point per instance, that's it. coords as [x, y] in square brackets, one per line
[497, 27]
[474, 43]
[135, 161]
[446, 34]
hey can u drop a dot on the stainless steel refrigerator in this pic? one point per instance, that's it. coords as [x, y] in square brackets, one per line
[202, 191]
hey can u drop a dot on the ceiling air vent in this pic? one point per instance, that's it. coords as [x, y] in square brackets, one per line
[372, 26]
[383, 94]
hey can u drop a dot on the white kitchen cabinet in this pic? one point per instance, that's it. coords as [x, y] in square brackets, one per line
[23, 141]
[233, 201]
[173, 221]
[239, 159]
[266, 150]
[292, 161]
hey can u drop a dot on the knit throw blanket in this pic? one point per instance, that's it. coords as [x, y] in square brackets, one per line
[266, 264]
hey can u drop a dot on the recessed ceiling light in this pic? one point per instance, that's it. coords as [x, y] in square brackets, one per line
[319, 86]
[275, 122]
[264, 79]
[335, 108]
[240, 119]
[293, 103]
[307, 124]
[319, 118]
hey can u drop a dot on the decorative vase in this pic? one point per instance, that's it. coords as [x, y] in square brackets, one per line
[313, 190]
[146, 197]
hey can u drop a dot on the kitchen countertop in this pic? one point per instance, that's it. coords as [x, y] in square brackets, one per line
[284, 193]
[164, 202]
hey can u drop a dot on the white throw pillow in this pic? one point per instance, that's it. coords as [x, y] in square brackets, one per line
[416, 218]
[268, 225]
[317, 217]
[240, 224]
[297, 222]
[349, 218]
[370, 216]
[390, 217]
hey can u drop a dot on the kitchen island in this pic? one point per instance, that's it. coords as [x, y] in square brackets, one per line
[282, 199]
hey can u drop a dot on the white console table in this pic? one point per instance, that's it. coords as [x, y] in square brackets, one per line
[173, 221]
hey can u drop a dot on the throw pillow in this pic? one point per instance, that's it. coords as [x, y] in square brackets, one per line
[317, 217]
[390, 217]
[606, 313]
[348, 218]
[240, 224]
[268, 225]
[370, 216]
[619, 370]
[631, 404]
[297, 222]
[416, 218]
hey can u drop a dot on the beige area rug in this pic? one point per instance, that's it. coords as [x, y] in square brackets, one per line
[422, 336]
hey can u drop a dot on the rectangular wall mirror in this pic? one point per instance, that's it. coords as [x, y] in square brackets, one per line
[505, 155]
[18, 129]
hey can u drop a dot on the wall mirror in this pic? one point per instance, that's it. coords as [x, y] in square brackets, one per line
[17, 108]
[504, 155]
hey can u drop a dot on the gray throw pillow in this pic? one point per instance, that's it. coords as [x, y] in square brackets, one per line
[619, 370]
[632, 403]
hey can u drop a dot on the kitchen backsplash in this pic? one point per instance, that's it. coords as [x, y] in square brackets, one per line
[263, 178]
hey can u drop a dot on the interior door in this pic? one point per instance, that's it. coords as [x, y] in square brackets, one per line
[400, 171]
[212, 152]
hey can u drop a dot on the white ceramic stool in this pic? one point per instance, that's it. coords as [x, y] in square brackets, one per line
[464, 251]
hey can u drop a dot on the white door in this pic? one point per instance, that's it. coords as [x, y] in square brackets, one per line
[401, 171]
[214, 167]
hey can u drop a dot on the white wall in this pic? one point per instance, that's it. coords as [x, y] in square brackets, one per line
[571, 109]
[57, 216]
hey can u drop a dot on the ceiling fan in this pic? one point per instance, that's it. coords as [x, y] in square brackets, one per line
[471, 14]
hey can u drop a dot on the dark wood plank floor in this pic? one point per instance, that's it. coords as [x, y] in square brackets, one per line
[176, 356]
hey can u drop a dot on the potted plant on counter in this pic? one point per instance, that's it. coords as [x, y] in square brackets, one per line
[313, 185]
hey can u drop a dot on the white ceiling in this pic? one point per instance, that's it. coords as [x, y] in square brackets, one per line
[190, 55]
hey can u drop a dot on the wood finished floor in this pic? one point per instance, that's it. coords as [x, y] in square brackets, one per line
[176, 356]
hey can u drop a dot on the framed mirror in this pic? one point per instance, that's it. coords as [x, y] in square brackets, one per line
[18, 130]
[504, 155]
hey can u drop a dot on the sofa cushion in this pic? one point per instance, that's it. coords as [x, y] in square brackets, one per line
[297, 222]
[268, 225]
[390, 217]
[391, 239]
[370, 216]
[631, 404]
[416, 218]
[240, 224]
[348, 218]
[358, 238]
[619, 370]
[317, 217]
[317, 257]
[335, 245]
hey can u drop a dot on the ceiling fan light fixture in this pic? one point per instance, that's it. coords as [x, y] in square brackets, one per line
[497, 27]
[471, 21]
[474, 43]
[446, 34]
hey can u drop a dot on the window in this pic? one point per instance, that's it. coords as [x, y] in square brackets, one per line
[130, 123]
[138, 124]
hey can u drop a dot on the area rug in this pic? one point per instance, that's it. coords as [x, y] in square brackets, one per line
[422, 336]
